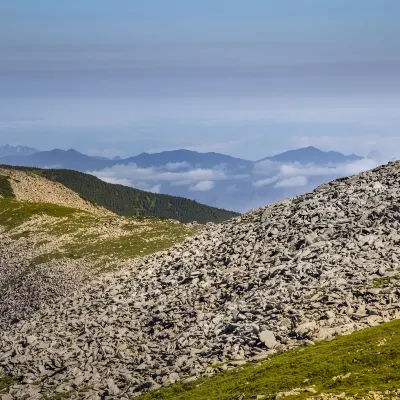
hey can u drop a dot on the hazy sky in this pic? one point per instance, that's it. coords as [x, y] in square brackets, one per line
[247, 78]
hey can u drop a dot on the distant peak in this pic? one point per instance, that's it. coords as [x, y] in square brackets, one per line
[311, 148]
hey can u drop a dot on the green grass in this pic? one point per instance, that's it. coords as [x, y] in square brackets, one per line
[14, 213]
[60, 396]
[87, 233]
[5, 187]
[5, 383]
[384, 281]
[371, 356]
[159, 235]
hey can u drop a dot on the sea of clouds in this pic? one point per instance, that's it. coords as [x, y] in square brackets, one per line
[268, 181]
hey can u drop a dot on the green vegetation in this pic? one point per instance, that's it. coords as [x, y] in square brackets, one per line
[14, 213]
[77, 234]
[5, 187]
[384, 281]
[6, 382]
[126, 201]
[354, 364]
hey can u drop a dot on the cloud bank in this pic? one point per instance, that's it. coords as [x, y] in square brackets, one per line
[268, 182]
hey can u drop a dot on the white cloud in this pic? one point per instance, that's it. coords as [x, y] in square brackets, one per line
[155, 189]
[263, 186]
[122, 181]
[177, 165]
[312, 170]
[132, 175]
[203, 186]
[296, 181]
[265, 182]
[54, 166]
[266, 167]
[269, 172]
[185, 182]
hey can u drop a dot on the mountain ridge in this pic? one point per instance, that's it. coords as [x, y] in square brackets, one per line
[305, 154]
[7, 150]
[73, 159]
[31, 187]
[127, 201]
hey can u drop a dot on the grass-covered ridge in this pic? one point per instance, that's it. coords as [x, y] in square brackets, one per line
[126, 201]
[75, 234]
[368, 360]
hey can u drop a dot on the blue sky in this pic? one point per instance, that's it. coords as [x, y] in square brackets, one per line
[248, 78]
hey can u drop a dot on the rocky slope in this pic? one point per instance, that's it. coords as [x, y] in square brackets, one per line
[28, 186]
[47, 251]
[300, 270]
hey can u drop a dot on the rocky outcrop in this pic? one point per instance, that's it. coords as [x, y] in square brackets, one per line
[28, 186]
[304, 269]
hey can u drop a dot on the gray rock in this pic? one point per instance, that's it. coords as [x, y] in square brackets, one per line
[268, 338]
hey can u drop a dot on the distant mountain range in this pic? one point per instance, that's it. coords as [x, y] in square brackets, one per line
[215, 179]
[173, 160]
[8, 150]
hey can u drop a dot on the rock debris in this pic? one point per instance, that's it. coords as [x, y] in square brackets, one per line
[300, 270]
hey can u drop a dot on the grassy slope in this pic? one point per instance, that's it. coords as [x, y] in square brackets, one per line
[127, 201]
[372, 356]
[142, 236]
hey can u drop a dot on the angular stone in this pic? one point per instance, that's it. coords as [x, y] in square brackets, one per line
[268, 338]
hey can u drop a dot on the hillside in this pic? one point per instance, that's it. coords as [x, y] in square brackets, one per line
[126, 201]
[281, 277]
[49, 250]
[28, 186]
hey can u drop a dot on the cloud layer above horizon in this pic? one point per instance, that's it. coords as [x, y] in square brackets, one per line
[245, 79]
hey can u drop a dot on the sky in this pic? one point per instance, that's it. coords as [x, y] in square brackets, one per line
[246, 78]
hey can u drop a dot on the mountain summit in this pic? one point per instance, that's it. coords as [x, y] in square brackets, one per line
[312, 155]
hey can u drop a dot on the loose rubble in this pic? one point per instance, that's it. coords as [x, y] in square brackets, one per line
[301, 270]
[24, 288]
[37, 267]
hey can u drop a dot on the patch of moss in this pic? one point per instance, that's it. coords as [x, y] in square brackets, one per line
[371, 365]
[6, 189]
[384, 281]
[14, 213]
[6, 382]
[60, 396]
